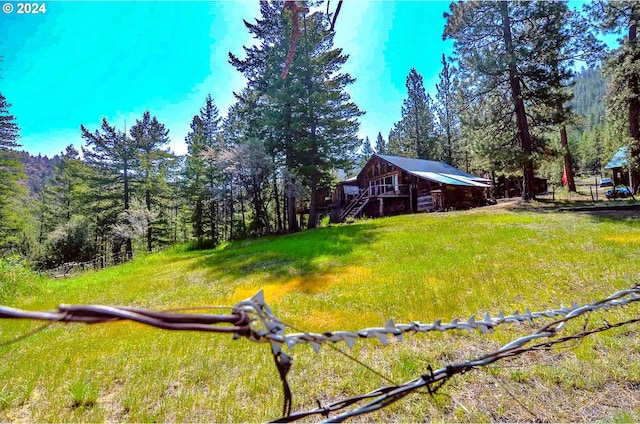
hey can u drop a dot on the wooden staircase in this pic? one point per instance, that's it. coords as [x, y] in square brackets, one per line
[354, 207]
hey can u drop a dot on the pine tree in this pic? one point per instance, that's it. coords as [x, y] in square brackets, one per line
[250, 168]
[365, 153]
[112, 157]
[69, 183]
[155, 161]
[381, 145]
[415, 132]
[393, 147]
[263, 68]
[12, 193]
[449, 125]
[328, 116]
[64, 196]
[499, 48]
[9, 130]
[251, 164]
[203, 176]
[311, 120]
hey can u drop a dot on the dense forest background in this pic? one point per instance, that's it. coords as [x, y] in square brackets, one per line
[509, 102]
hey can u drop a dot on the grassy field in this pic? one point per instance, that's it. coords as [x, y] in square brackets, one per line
[346, 277]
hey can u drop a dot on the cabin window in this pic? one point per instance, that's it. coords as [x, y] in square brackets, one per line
[384, 185]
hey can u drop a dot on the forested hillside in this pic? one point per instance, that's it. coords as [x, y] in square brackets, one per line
[39, 171]
[588, 100]
[594, 138]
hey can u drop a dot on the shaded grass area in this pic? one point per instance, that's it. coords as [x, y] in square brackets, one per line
[419, 267]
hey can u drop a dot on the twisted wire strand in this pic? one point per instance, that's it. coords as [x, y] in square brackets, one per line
[239, 320]
[274, 328]
[387, 395]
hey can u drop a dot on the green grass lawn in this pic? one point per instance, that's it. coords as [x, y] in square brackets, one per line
[346, 277]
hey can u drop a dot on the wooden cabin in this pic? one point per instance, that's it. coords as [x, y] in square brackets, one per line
[391, 185]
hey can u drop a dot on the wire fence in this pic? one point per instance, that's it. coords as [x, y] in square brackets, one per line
[99, 262]
[254, 320]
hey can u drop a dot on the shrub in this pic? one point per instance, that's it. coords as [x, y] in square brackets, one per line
[71, 242]
[16, 278]
[201, 244]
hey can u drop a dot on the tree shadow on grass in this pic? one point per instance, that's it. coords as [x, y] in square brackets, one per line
[309, 255]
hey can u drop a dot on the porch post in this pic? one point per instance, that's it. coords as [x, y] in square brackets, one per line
[411, 198]
[381, 201]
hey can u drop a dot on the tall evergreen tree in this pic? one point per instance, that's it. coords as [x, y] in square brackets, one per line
[328, 116]
[112, 156]
[69, 183]
[497, 45]
[203, 176]
[381, 145]
[449, 125]
[155, 160]
[312, 122]
[9, 130]
[415, 132]
[64, 196]
[12, 193]
[365, 153]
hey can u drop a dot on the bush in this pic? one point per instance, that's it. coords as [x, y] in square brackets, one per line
[71, 242]
[325, 222]
[202, 244]
[16, 278]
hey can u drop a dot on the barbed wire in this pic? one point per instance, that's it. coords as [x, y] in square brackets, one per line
[96, 314]
[434, 380]
[274, 327]
[253, 319]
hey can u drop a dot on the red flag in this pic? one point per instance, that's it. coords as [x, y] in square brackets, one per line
[564, 176]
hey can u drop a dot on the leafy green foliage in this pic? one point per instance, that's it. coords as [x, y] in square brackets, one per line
[16, 279]
[72, 241]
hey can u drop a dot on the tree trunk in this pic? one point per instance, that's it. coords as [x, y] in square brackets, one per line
[634, 105]
[213, 212]
[291, 207]
[147, 199]
[244, 220]
[566, 154]
[313, 205]
[231, 210]
[524, 136]
[290, 193]
[125, 172]
[276, 197]
[198, 227]
[288, 185]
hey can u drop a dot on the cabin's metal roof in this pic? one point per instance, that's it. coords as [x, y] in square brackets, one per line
[436, 171]
[620, 159]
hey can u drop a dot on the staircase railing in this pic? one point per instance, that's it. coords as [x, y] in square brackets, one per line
[363, 193]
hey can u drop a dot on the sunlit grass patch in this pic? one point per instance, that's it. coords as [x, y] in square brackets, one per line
[624, 238]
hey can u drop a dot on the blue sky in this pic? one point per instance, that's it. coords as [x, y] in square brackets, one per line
[82, 61]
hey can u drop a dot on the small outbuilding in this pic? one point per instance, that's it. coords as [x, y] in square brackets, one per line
[619, 165]
[391, 185]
